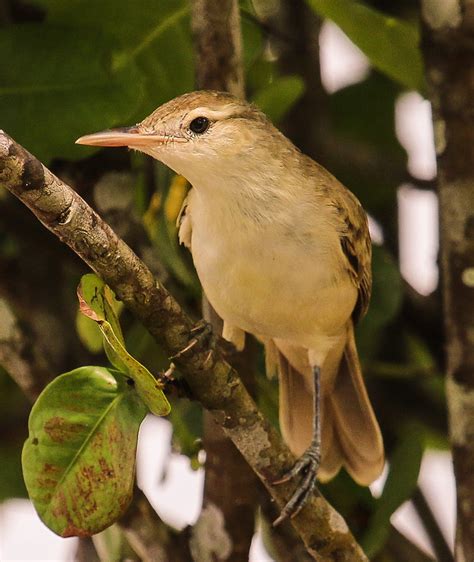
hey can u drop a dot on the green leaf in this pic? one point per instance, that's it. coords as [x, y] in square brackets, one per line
[373, 123]
[252, 40]
[368, 131]
[95, 300]
[61, 84]
[79, 458]
[279, 97]
[186, 419]
[155, 36]
[399, 487]
[392, 45]
[89, 333]
[386, 300]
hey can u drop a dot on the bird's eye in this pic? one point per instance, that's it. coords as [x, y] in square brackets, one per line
[199, 125]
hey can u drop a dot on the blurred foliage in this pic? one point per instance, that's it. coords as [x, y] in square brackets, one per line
[390, 44]
[401, 483]
[385, 301]
[279, 96]
[14, 412]
[70, 68]
[89, 66]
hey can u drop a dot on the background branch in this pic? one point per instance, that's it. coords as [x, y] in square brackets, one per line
[448, 48]
[213, 382]
[229, 482]
[438, 542]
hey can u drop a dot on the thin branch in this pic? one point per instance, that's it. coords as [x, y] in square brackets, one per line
[213, 382]
[399, 548]
[19, 355]
[437, 539]
[149, 537]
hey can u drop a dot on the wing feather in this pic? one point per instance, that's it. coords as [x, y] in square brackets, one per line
[356, 246]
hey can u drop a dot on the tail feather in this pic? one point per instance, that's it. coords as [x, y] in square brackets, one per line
[295, 407]
[357, 428]
[350, 435]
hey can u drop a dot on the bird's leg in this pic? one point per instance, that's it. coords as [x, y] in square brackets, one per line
[308, 464]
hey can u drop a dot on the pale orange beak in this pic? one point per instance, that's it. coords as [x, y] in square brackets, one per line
[126, 136]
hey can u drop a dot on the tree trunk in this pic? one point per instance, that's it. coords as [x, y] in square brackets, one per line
[448, 47]
[230, 484]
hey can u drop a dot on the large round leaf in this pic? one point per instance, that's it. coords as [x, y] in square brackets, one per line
[79, 458]
[152, 35]
[58, 83]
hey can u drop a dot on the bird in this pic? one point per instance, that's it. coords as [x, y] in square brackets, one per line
[283, 252]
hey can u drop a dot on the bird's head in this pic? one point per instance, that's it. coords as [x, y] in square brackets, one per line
[194, 133]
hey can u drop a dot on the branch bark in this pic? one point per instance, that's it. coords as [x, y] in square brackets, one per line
[213, 382]
[448, 46]
[229, 484]
[216, 29]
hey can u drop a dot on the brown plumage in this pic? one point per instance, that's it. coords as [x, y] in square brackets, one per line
[283, 252]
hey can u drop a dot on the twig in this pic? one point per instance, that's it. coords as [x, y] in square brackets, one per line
[19, 356]
[149, 537]
[214, 383]
[399, 548]
[437, 539]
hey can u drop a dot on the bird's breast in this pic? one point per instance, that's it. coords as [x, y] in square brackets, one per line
[265, 280]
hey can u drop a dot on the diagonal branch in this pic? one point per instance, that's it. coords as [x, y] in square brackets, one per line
[213, 382]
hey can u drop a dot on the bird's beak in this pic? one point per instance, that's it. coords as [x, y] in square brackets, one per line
[127, 136]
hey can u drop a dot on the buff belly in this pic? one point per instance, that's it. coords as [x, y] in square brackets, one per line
[273, 290]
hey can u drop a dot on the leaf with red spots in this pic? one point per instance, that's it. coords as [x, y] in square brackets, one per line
[96, 301]
[79, 458]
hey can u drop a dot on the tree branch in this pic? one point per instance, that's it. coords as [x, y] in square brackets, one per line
[216, 28]
[229, 483]
[448, 47]
[213, 382]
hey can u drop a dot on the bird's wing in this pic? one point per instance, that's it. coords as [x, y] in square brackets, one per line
[356, 245]
[230, 332]
[183, 222]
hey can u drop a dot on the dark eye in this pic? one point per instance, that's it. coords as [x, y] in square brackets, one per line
[199, 125]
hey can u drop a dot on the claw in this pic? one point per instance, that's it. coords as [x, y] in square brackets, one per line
[308, 463]
[201, 333]
[307, 466]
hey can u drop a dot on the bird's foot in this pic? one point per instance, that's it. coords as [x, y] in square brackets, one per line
[307, 466]
[200, 334]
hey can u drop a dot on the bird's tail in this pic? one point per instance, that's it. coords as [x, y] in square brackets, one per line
[350, 435]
